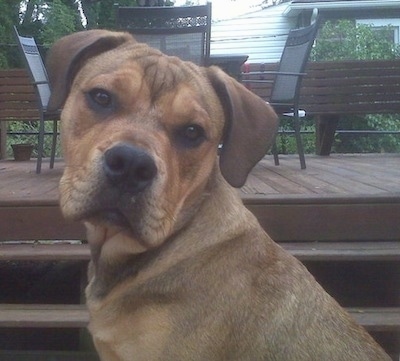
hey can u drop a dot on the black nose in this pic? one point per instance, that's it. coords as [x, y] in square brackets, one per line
[128, 167]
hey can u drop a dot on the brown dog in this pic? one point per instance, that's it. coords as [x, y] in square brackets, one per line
[180, 269]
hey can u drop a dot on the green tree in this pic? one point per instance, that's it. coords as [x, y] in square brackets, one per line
[106, 13]
[101, 14]
[48, 20]
[9, 10]
[345, 40]
[60, 20]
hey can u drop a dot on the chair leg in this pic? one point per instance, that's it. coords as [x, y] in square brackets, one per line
[53, 144]
[274, 151]
[40, 146]
[299, 142]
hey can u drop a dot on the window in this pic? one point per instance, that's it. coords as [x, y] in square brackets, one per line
[380, 24]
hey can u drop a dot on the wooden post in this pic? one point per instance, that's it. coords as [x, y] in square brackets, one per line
[3, 140]
[325, 133]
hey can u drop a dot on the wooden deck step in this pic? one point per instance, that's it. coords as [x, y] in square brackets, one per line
[47, 356]
[305, 251]
[344, 251]
[76, 316]
[43, 316]
[44, 252]
[378, 319]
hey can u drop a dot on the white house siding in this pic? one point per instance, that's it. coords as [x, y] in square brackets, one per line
[261, 35]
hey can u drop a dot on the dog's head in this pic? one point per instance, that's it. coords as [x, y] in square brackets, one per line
[141, 132]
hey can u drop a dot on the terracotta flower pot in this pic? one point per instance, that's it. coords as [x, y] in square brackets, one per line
[22, 151]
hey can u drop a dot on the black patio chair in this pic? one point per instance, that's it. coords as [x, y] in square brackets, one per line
[39, 78]
[182, 31]
[285, 92]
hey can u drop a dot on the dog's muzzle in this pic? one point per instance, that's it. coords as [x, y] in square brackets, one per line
[129, 168]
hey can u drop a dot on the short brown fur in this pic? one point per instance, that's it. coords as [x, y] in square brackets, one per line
[180, 269]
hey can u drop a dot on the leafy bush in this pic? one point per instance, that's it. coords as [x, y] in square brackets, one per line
[286, 141]
[61, 20]
[369, 142]
[344, 40]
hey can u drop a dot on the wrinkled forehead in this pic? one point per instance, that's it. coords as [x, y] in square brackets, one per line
[152, 79]
[162, 73]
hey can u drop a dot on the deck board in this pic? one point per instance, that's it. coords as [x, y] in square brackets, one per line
[340, 197]
[354, 174]
[304, 251]
[41, 316]
[19, 183]
[77, 316]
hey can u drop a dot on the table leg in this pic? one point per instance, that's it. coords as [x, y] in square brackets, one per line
[325, 133]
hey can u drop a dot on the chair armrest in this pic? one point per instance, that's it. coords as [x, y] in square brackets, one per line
[255, 81]
[40, 82]
[301, 113]
[272, 73]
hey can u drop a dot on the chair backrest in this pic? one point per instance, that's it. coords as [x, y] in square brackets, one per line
[36, 68]
[293, 60]
[182, 31]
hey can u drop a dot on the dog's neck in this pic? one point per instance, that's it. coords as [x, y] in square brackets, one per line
[203, 231]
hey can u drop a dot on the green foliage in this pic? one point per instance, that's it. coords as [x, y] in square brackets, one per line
[8, 16]
[48, 20]
[286, 142]
[101, 14]
[369, 142]
[26, 133]
[344, 40]
[60, 21]
[106, 14]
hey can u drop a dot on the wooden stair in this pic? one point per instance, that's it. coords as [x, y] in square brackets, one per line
[67, 316]
[304, 251]
[47, 356]
[76, 316]
[43, 316]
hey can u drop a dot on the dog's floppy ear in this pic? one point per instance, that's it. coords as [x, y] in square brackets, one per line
[250, 127]
[69, 53]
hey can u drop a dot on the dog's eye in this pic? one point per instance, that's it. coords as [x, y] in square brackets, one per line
[193, 132]
[101, 97]
[191, 135]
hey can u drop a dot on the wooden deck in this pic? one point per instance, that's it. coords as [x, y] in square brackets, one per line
[337, 199]
[340, 197]
[339, 175]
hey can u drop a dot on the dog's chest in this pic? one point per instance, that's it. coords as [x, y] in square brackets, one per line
[133, 336]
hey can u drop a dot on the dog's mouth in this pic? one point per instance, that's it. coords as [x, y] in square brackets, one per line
[111, 216]
[115, 217]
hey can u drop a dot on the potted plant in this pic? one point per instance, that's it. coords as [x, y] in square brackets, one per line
[22, 151]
